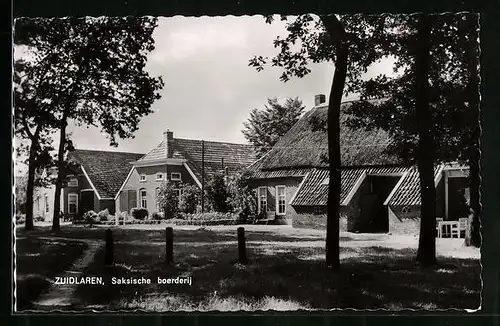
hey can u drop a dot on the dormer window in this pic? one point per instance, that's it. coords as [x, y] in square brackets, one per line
[142, 178]
[73, 182]
[175, 176]
[159, 177]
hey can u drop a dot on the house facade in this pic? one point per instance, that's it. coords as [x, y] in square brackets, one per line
[43, 201]
[378, 192]
[97, 177]
[120, 181]
[179, 161]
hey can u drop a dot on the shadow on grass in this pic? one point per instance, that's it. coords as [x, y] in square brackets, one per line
[370, 277]
[191, 235]
[38, 262]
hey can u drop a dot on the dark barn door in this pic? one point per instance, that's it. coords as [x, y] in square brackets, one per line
[373, 212]
[86, 202]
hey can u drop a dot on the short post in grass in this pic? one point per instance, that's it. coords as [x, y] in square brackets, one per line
[169, 245]
[242, 253]
[108, 249]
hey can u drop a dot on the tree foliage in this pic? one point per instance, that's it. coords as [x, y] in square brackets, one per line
[167, 198]
[241, 196]
[216, 193]
[93, 74]
[266, 126]
[190, 198]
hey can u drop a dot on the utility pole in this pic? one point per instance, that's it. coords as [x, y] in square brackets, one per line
[202, 176]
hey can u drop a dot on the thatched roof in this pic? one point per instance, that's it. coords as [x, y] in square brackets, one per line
[305, 146]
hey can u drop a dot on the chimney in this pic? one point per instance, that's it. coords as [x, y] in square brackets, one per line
[168, 137]
[319, 99]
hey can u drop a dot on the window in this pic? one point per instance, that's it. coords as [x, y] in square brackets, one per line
[38, 204]
[73, 182]
[280, 200]
[262, 200]
[72, 203]
[46, 203]
[144, 200]
[159, 177]
[175, 176]
[142, 178]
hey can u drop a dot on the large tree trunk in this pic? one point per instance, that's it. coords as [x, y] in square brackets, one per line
[61, 174]
[473, 234]
[337, 33]
[30, 189]
[426, 255]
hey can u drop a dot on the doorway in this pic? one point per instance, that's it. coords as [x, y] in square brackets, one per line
[374, 214]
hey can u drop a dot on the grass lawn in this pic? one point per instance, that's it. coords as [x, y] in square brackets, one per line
[285, 271]
[38, 261]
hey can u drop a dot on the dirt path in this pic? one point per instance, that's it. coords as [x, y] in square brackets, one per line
[63, 295]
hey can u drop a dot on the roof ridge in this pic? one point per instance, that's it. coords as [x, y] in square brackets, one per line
[103, 151]
[213, 141]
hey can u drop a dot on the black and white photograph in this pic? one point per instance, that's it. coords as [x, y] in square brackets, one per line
[247, 163]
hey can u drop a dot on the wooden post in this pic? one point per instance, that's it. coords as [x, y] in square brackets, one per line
[108, 249]
[169, 245]
[242, 254]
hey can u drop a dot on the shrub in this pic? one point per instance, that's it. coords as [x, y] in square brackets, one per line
[168, 199]
[217, 194]
[90, 217]
[241, 196]
[103, 215]
[189, 199]
[38, 218]
[139, 213]
[157, 216]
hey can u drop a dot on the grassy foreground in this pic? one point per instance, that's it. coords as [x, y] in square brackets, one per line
[285, 272]
[38, 261]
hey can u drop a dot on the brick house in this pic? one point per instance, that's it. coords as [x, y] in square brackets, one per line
[378, 192]
[96, 180]
[120, 181]
[180, 161]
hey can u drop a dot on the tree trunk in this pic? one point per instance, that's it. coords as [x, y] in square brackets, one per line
[426, 255]
[30, 187]
[337, 33]
[473, 235]
[61, 173]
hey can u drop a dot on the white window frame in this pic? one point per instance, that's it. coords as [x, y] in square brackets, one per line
[145, 198]
[278, 200]
[73, 182]
[142, 178]
[75, 195]
[259, 197]
[176, 179]
[160, 175]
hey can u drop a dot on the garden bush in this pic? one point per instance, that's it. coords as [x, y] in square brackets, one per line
[157, 216]
[90, 217]
[139, 213]
[38, 218]
[103, 215]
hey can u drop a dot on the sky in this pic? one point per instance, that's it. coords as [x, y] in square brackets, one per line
[209, 88]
